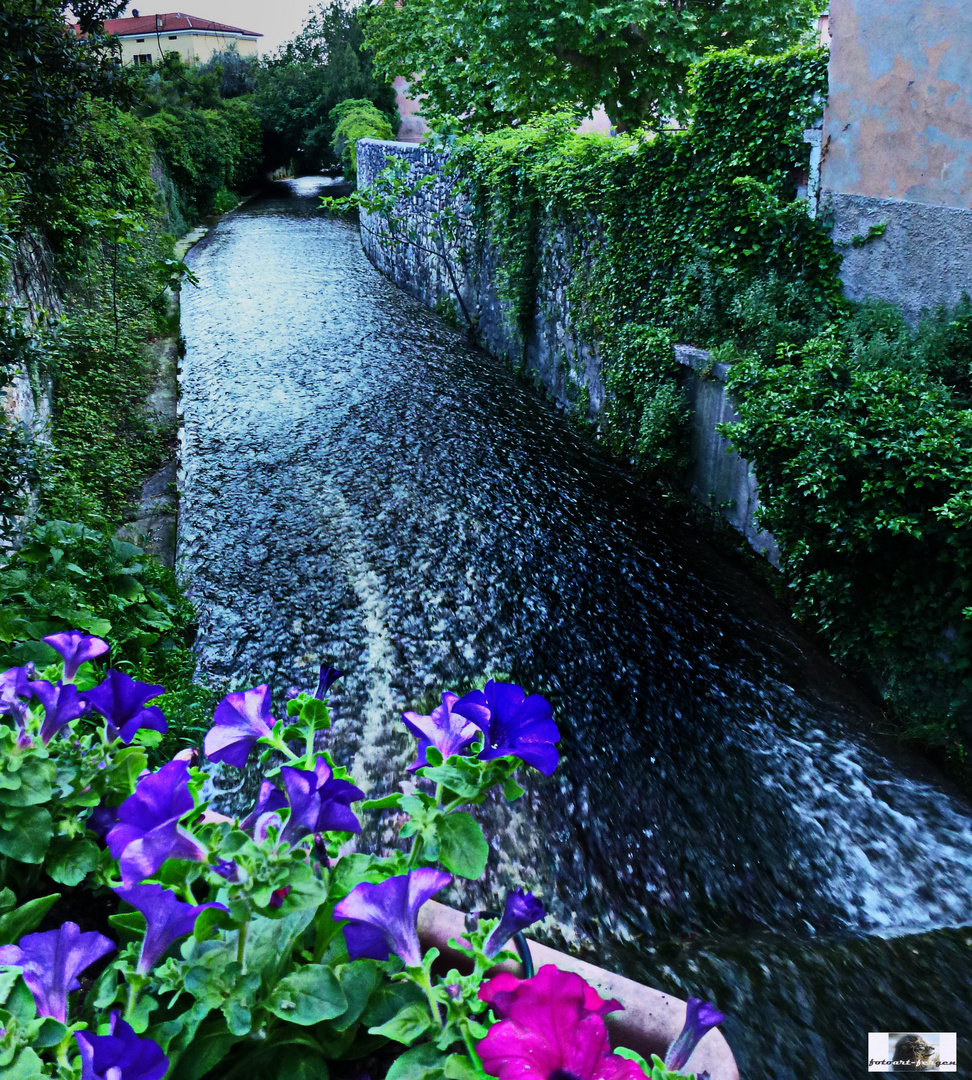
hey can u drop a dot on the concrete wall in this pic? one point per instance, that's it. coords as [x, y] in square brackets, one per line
[548, 347]
[898, 147]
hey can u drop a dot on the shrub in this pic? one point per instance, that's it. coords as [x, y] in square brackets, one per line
[356, 119]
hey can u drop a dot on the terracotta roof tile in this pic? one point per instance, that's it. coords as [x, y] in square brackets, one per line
[145, 25]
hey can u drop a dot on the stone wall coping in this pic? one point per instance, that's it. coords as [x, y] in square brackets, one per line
[700, 360]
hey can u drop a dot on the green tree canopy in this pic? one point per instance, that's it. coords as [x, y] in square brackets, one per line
[497, 62]
[47, 75]
[326, 63]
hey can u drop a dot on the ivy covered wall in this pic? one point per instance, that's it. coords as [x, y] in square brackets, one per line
[583, 258]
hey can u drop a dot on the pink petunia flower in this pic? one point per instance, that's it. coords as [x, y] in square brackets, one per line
[552, 1028]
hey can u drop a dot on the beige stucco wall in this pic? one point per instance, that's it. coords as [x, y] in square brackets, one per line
[195, 47]
[898, 120]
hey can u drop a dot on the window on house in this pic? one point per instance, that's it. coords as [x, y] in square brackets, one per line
[173, 37]
[143, 58]
[139, 40]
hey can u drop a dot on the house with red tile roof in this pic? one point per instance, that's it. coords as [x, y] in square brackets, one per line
[145, 39]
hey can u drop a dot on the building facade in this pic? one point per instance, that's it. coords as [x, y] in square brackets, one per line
[145, 39]
[896, 168]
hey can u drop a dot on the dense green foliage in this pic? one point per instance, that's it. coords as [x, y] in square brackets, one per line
[325, 64]
[497, 62]
[863, 438]
[208, 153]
[679, 235]
[356, 119]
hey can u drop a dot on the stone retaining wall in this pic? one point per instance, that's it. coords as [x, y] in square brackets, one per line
[548, 347]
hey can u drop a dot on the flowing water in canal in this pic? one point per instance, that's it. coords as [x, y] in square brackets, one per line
[361, 487]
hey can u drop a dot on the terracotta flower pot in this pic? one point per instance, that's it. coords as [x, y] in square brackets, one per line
[649, 1022]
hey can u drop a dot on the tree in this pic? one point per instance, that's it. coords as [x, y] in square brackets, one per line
[47, 74]
[326, 63]
[497, 62]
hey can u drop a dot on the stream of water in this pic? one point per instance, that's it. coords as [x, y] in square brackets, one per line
[359, 486]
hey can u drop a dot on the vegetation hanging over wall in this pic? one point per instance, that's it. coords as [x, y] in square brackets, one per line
[690, 234]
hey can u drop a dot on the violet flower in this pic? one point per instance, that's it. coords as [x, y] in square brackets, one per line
[240, 719]
[551, 1034]
[384, 917]
[15, 683]
[52, 962]
[318, 802]
[449, 732]
[75, 648]
[270, 799]
[523, 909]
[121, 701]
[518, 725]
[120, 1055]
[62, 704]
[167, 918]
[328, 677]
[102, 820]
[700, 1017]
[148, 829]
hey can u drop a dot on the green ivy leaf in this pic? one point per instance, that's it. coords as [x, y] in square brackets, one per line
[24, 919]
[420, 1063]
[462, 845]
[308, 996]
[70, 861]
[25, 833]
[407, 1025]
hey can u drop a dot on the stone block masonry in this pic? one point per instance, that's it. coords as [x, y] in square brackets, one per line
[546, 345]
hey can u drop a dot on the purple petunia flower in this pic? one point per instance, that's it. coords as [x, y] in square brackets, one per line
[15, 683]
[121, 1055]
[512, 998]
[700, 1017]
[552, 1029]
[317, 803]
[449, 732]
[102, 820]
[148, 829]
[523, 909]
[240, 719]
[167, 918]
[52, 962]
[75, 648]
[328, 677]
[518, 725]
[384, 917]
[270, 799]
[62, 704]
[121, 701]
